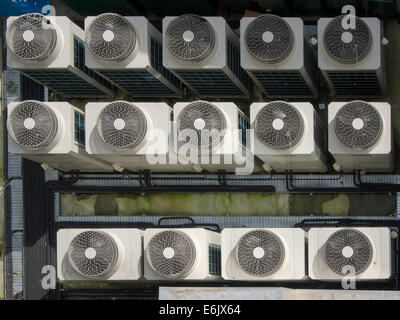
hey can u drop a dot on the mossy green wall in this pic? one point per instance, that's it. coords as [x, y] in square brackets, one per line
[234, 204]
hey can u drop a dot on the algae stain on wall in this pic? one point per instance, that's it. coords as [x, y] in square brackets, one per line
[338, 206]
[176, 204]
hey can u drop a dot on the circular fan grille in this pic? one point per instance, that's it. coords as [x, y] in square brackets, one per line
[31, 37]
[32, 124]
[348, 247]
[190, 38]
[347, 45]
[358, 125]
[122, 125]
[171, 253]
[110, 37]
[93, 254]
[260, 253]
[269, 38]
[279, 125]
[202, 124]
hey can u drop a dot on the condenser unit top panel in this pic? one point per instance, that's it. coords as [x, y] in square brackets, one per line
[110, 37]
[269, 38]
[122, 125]
[358, 125]
[348, 247]
[279, 125]
[171, 253]
[190, 38]
[93, 254]
[260, 252]
[202, 123]
[32, 125]
[31, 37]
[347, 46]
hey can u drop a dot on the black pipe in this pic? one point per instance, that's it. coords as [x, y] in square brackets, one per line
[360, 187]
[346, 222]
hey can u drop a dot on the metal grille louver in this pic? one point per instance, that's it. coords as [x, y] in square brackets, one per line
[171, 253]
[279, 125]
[111, 37]
[122, 125]
[213, 124]
[190, 38]
[93, 254]
[260, 253]
[366, 134]
[32, 124]
[358, 255]
[31, 37]
[347, 46]
[269, 38]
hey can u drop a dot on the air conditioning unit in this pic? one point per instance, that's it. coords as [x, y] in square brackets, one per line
[364, 253]
[289, 136]
[276, 55]
[214, 134]
[263, 254]
[360, 136]
[128, 52]
[99, 254]
[352, 60]
[204, 53]
[182, 254]
[51, 51]
[51, 133]
[133, 136]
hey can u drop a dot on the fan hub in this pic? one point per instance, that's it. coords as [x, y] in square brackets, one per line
[188, 36]
[108, 35]
[199, 124]
[29, 123]
[168, 253]
[90, 253]
[278, 124]
[358, 124]
[258, 252]
[28, 35]
[119, 124]
[268, 36]
[347, 252]
[347, 37]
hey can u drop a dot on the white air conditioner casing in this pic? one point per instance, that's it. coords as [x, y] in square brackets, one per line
[231, 149]
[210, 69]
[62, 145]
[99, 254]
[153, 130]
[374, 152]
[305, 151]
[61, 66]
[136, 68]
[182, 254]
[243, 250]
[352, 74]
[290, 74]
[367, 250]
